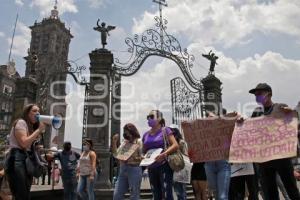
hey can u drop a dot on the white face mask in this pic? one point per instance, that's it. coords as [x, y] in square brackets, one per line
[86, 148]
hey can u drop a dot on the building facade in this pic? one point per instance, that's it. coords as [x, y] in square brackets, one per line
[45, 77]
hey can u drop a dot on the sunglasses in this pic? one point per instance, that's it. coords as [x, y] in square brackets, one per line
[150, 116]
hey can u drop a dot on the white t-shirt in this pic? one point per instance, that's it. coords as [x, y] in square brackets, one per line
[20, 125]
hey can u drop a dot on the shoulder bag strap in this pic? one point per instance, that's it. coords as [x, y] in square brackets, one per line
[166, 143]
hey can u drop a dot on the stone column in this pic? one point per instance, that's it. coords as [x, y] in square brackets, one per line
[99, 110]
[212, 94]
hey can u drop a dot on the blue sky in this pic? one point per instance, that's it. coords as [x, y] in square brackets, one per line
[256, 41]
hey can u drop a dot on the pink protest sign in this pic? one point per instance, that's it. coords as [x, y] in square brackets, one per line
[265, 138]
[208, 139]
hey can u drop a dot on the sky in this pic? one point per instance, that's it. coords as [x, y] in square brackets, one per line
[255, 40]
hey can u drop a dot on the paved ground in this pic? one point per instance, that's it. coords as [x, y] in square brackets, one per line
[145, 185]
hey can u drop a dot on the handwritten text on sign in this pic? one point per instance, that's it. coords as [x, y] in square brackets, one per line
[264, 138]
[208, 139]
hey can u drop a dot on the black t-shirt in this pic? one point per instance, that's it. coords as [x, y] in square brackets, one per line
[259, 111]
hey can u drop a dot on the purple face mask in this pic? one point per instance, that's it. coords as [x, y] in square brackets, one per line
[151, 123]
[261, 99]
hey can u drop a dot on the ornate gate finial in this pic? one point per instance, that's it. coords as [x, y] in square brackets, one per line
[160, 23]
[104, 32]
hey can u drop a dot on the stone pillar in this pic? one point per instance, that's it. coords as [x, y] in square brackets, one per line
[212, 94]
[99, 110]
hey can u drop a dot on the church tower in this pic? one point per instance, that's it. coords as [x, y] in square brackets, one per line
[47, 58]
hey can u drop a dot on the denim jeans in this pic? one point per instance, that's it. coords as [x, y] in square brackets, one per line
[18, 179]
[161, 182]
[86, 188]
[180, 190]
[218, 177]
[70, 186]
[129, 178]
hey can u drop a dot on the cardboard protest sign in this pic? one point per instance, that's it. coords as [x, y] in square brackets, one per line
[150, 156]
[242, 169]
[208, 139]
[265, 138]
[126, 150]
[184, 175]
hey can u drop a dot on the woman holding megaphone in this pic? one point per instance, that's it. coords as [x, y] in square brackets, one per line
[24, 132]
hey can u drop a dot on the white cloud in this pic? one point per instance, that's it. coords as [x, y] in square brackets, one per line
[151, 85]
[228, 22]
[2, 34]
[21, 40]
[96, 3]
[148, 89]
[45, 6]
[19, 2]
[281, 73]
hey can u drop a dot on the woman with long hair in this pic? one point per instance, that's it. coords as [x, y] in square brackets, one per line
[24, 132]
[87, 171]
[160, 173]
[130, 155]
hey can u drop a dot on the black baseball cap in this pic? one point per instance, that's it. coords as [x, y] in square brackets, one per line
[261, 87]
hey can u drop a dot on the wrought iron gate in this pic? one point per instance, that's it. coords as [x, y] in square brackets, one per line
[186, 103]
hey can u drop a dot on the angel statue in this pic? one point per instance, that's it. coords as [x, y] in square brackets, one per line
[104, 31]
[213, 61]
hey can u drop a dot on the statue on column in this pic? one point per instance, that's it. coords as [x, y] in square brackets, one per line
[213, 61]
[104, 32]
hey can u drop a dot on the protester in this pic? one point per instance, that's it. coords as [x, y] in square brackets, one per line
[179, 188]
[114, 171]
[130, 175]
[218, 174]
[68, 160]
[4, 190]
[238, 185]
[49, 169]
[199, 182]
[24, 132]
[87, 171]
[284, 167]
[281, 188]
[160, 173]
[56, 174]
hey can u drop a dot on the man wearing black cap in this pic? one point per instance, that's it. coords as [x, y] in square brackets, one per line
[68, 160]
[284, 167]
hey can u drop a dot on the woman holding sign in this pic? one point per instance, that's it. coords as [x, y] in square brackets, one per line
[218, 172]
[130, 155]
[160, 173]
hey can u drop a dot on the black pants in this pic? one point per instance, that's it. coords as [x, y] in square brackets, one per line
[285, 170]
[237, 187]
[17, 177]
